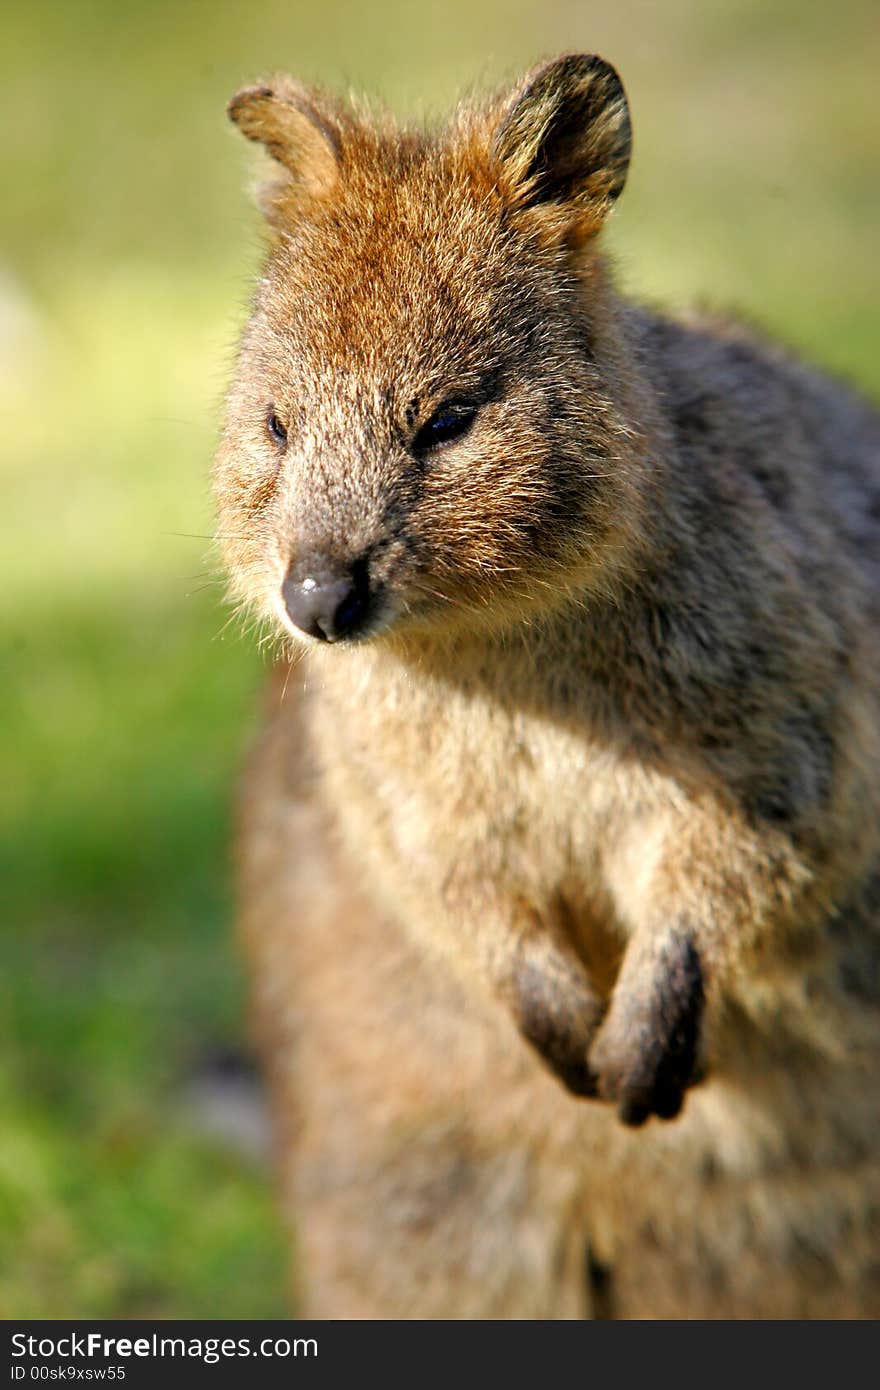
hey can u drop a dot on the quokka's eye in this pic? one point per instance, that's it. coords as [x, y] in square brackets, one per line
[277, 431]
[447, 424]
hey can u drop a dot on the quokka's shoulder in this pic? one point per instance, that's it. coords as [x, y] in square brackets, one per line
[720, 366]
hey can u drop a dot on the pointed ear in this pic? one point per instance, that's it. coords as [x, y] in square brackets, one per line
[297, 131]
[564, 140]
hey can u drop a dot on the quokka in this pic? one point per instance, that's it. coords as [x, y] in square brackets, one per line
[560, 852]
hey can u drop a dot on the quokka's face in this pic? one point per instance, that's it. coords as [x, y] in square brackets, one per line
[418, 433]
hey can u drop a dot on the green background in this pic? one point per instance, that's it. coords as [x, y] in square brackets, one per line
[127, 247]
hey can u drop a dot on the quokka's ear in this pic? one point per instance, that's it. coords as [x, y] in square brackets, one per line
[564, 141]
[297, 131]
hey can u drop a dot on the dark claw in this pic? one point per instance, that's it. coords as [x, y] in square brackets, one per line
[557, 1012]
[649, 1073]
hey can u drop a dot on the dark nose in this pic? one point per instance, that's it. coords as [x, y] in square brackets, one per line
[326, 605]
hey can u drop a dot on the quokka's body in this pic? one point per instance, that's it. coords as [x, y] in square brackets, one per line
[576, 768]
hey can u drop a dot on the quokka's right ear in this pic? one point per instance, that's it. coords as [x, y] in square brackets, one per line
[563, 143]
[297, 131]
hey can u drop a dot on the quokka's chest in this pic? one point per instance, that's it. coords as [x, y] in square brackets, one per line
[449, 782]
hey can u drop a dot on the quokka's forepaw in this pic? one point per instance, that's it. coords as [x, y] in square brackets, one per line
[646, 1054]
[557, 1011]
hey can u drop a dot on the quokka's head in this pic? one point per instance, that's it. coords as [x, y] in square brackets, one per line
[424, 427]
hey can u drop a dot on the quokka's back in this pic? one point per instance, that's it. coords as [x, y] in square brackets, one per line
[567, 813]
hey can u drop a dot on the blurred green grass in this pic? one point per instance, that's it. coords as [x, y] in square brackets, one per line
[127, 246]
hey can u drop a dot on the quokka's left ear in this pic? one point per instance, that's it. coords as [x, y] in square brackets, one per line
[296, 127]
[564, 141]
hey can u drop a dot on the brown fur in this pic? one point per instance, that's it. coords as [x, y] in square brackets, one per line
[600, 771]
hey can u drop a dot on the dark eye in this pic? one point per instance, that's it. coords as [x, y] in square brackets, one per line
[277, 431]
[447, 424]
